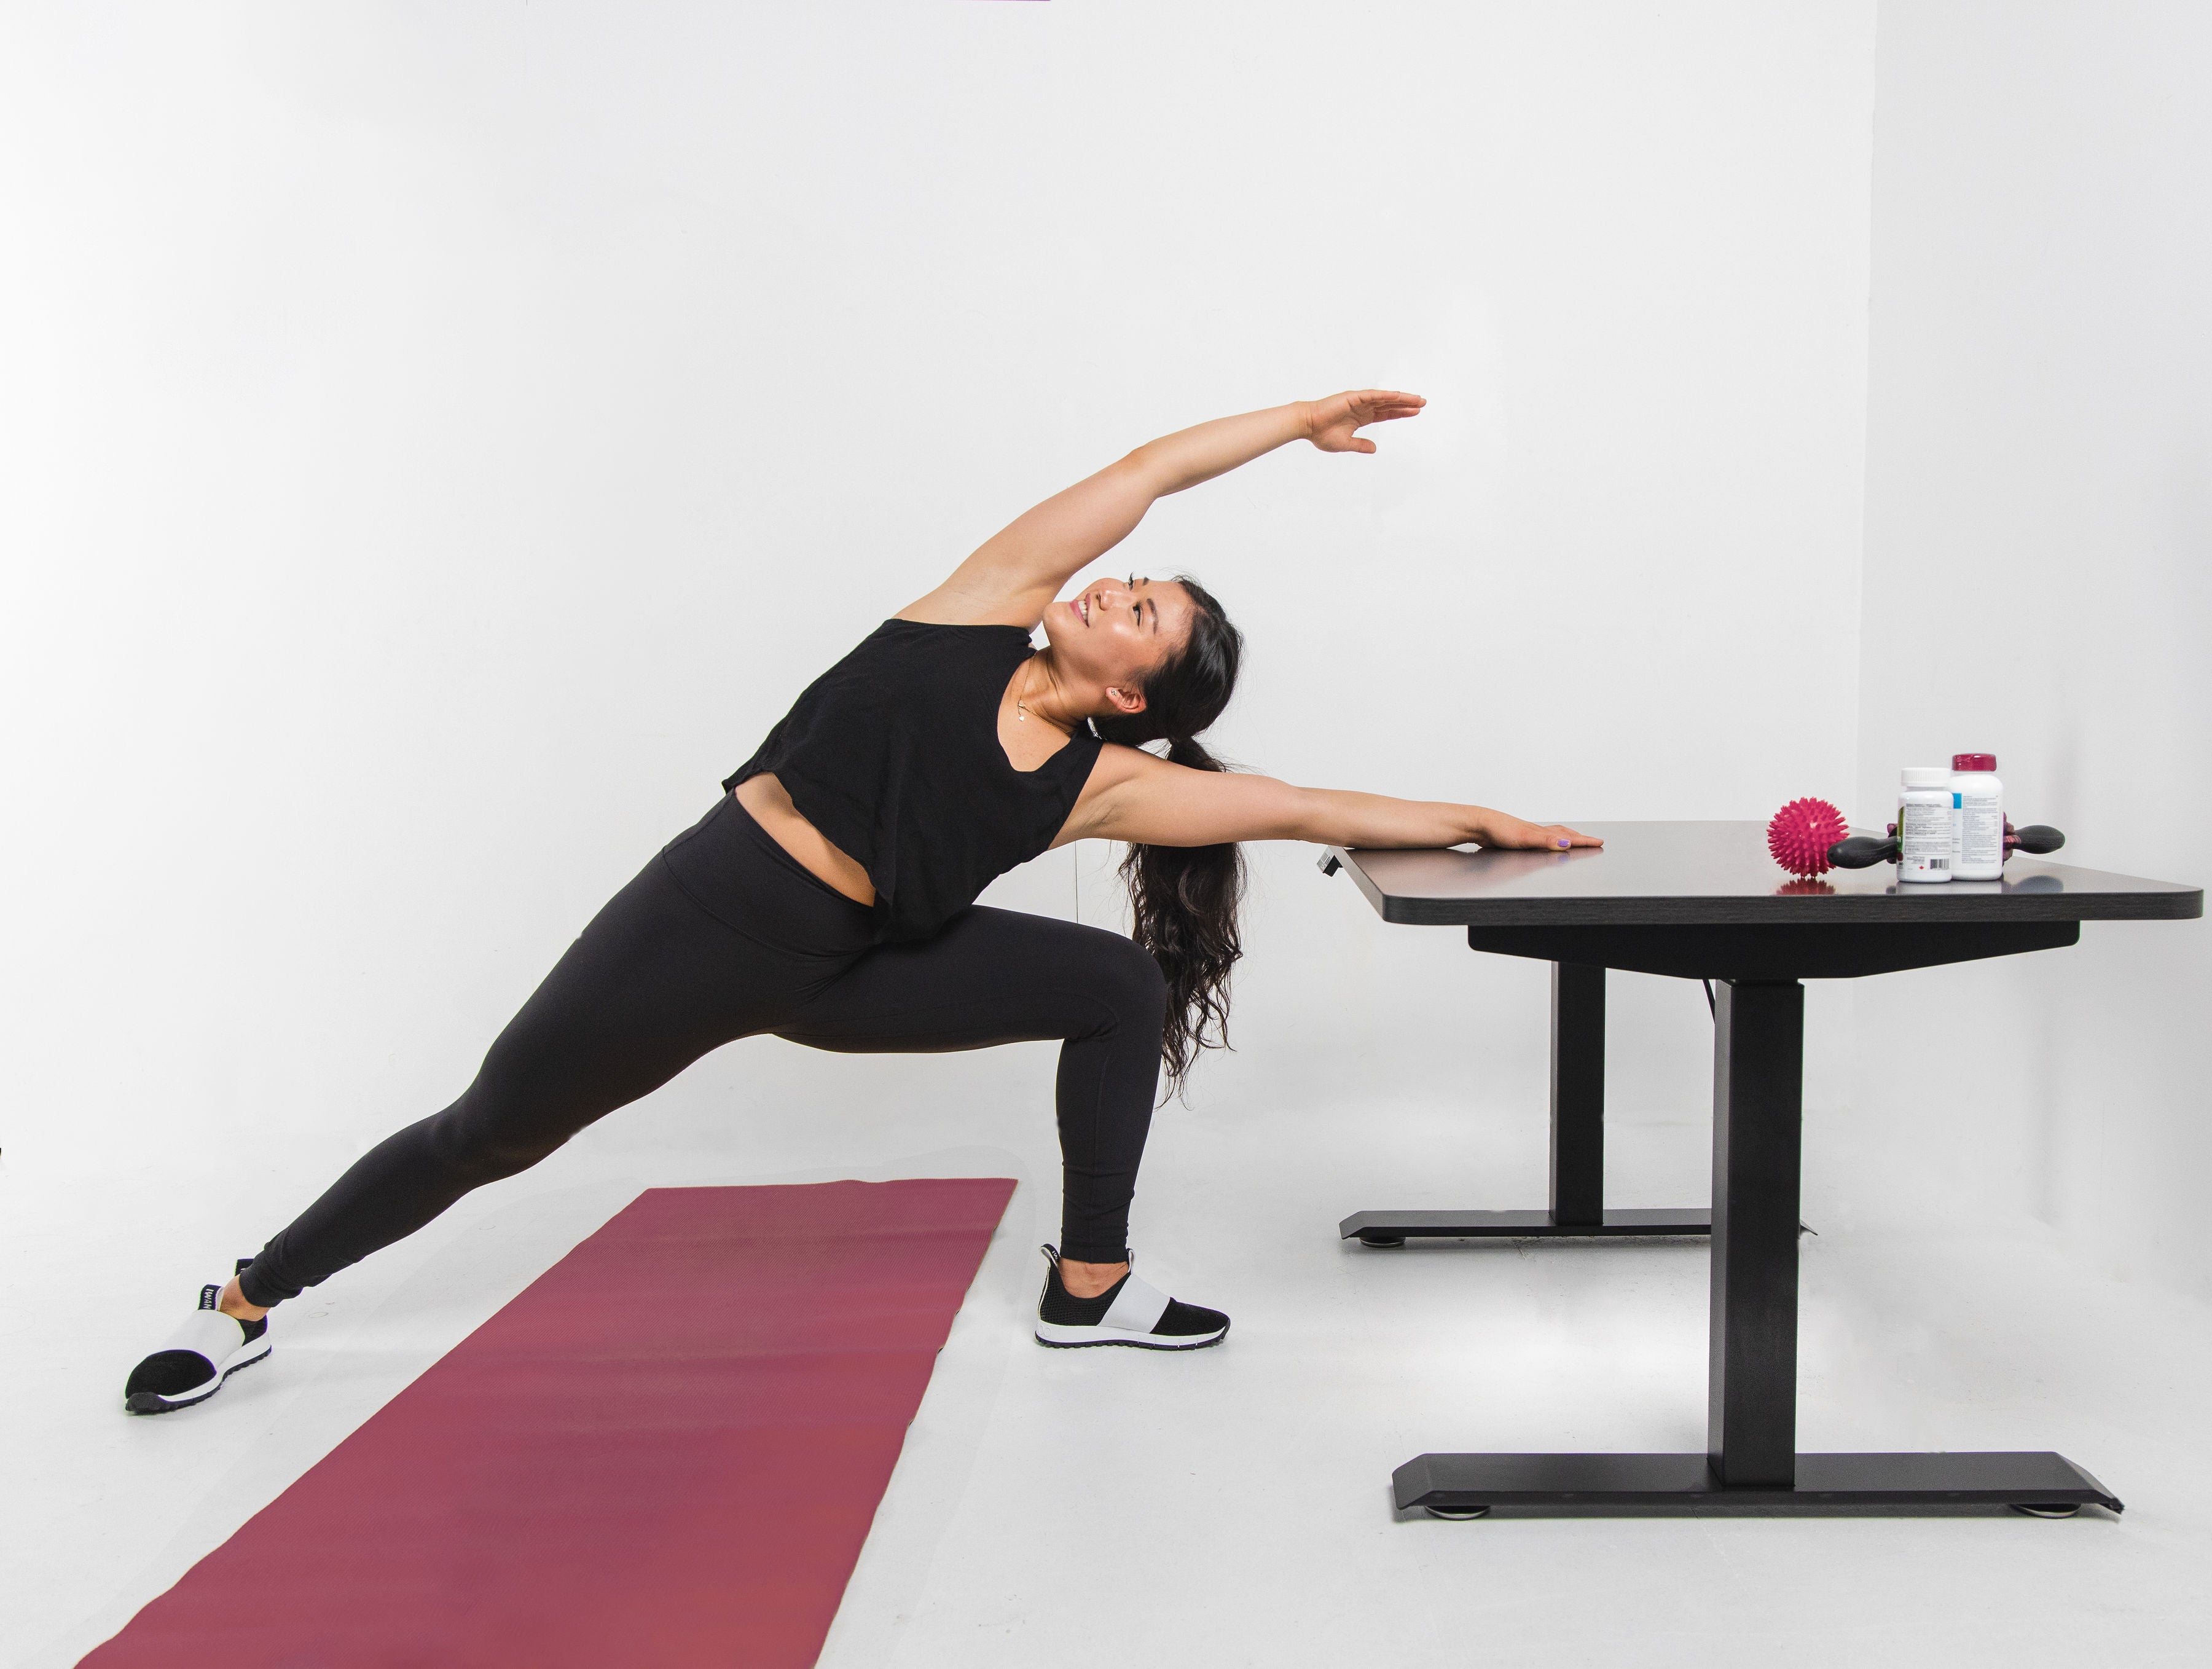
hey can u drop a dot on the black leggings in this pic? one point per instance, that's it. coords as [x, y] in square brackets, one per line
[724, 935]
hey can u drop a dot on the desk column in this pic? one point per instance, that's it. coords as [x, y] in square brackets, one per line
[1759, 1054]
[1577, 1095]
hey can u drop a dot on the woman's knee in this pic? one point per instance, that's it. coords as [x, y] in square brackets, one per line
[481, 1142]
[1130, 983]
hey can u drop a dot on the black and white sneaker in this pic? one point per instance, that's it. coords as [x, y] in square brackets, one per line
[199, 1356]
[1130, 1312]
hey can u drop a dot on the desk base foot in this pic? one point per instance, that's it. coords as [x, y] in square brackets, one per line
[1458, 1485]
[1394, 1228]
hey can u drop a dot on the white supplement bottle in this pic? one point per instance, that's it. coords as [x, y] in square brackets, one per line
[1978, 800]
[1925, 843]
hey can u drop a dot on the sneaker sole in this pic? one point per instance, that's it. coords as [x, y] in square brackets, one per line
[150, 1402]
[1063, 1337]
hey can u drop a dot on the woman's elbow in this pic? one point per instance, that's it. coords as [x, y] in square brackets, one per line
[1139, 478]
[1306, 815]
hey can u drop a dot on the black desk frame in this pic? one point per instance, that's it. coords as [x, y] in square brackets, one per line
[1751, 1459]
[1577, 1206]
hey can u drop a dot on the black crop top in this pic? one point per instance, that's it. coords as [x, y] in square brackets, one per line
[894, 755]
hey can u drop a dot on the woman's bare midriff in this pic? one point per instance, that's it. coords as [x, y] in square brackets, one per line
[771, 807]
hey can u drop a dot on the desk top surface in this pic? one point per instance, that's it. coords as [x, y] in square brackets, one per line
[1721, 872]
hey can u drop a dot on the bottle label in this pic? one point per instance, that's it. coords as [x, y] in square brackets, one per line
[1923, 836]
[1981, 830]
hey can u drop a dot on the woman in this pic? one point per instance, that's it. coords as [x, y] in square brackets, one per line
[828, 898]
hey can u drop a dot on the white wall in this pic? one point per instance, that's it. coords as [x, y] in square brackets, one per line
[2039, 514]
[441, 441]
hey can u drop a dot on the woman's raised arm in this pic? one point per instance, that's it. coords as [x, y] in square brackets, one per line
[1015, 572]
[1137, 797]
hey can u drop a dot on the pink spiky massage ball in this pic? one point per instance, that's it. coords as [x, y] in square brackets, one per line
[1801, 834]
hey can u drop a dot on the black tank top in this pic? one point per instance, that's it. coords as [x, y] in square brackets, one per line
[894, 755]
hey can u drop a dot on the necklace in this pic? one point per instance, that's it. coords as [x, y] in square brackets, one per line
[1021, 699]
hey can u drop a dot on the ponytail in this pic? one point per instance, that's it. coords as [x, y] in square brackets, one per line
[1185, 901]
[1185, 898]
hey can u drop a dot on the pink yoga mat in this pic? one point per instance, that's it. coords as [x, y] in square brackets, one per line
[667, 1451]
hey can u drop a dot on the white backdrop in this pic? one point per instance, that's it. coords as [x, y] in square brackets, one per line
[441, 442]
[2039, 508]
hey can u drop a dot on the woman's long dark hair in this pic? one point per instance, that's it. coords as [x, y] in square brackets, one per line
[1185, 897]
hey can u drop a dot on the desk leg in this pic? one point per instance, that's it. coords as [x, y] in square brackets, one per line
[1577, 1206]
[1758, 1053]
[1577, 1095]
[1751, 1458]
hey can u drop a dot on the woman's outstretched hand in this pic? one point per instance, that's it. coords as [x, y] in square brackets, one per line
[1515, 835]
[1330, 423]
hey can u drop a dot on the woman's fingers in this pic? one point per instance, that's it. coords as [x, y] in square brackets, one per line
[1339, 418]
[1388, 396]
[1554, 837]
[1382, 405]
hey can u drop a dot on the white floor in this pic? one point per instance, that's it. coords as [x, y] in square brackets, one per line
[1228, 1508]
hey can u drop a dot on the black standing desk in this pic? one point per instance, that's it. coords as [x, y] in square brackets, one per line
[1705, 901]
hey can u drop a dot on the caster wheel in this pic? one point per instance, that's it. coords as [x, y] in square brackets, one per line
[2047, 1510]
[1457, 1514]
[1381, 1239]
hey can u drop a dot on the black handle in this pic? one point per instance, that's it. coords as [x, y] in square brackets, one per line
[1862, 852]
[2037, 838]
[1328, 863]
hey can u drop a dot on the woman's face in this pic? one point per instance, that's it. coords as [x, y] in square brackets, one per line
[1117, 632]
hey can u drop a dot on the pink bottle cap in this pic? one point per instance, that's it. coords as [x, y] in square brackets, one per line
[1973, 762]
